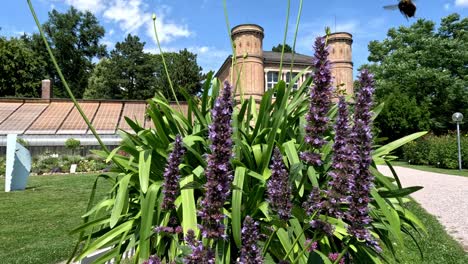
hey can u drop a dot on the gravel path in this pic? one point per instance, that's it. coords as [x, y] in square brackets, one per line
[444, 196]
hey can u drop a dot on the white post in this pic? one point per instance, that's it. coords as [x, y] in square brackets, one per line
[459, 147]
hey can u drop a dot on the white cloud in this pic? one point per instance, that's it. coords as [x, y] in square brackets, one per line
[132, 15]
[108, 43]
[462, 3]
[93, 6]
[209, 58]
[129, 14]
[309, 31]
[167, 31]
[447, 6]
[155, 50]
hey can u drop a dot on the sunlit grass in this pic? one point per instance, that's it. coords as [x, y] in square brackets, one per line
[437, 246]
[35, 222]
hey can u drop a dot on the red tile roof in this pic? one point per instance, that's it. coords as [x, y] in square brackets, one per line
[58, 116]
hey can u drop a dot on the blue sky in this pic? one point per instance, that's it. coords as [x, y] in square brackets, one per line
[199, 25]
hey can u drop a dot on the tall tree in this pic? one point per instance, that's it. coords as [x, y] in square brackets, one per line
[429, 68]
[130, 73]
[21, 70]
[74, 38]
[183, 70]
[279, 48]
[127, 74]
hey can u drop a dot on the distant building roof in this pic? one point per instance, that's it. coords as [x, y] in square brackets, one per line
[60, 117]
[275, 57]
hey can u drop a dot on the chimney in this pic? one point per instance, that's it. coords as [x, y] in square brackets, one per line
[46, 89]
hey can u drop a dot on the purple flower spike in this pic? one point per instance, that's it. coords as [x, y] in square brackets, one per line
[153, 260]
[200, 254]
[343, 163]
[358, 214]
[218, 172]
[172, 174]
[278, 188]
[315, 206]
[334, 256]
[320, 102]
[311, 246]
[250, 252]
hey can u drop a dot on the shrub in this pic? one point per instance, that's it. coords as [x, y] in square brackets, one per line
[72, 144]
[438, 151]
[22, 141]
[54, 164]
[2, 166]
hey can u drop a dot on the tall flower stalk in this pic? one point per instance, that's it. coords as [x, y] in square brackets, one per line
[172, 174]
[200, 253]
[343, 163]
[250, 251]
[358, 214]
[278, 188]
[218, 173]
[320, 102]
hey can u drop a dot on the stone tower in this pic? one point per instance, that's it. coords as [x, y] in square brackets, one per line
[341, 58]
[248, 39]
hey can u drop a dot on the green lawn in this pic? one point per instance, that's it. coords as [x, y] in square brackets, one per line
[437, 246]
[463, 172]
[34, 223]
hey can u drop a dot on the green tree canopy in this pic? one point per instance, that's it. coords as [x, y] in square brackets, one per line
[422, 70]
[74, 38]
[21, 70]
[184, 71]
[131, 73]
[279, 48]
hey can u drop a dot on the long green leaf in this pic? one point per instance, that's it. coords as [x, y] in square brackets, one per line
[291, 153]
[400, 192]
[237, 204]
[189, 211]
[390, 214]
[104, 239]
[386, 149]
[147, 211]
[144, 168]
[120, 200]
[285, 241]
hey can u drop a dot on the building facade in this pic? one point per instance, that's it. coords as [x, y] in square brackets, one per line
[257, 70]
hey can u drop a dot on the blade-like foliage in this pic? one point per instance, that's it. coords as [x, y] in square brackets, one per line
[133, 209]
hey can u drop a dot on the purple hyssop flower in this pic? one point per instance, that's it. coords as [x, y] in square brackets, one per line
[320, 102]
[172, 174]
[218, 172]
[278, 188]
[343, 163]
[316, 205]
[334, 256]
[200, 254]
[153, 260]
[358, 214]
[311, 246]
[250, 252]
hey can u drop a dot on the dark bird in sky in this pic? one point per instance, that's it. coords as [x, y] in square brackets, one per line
[406, 7]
